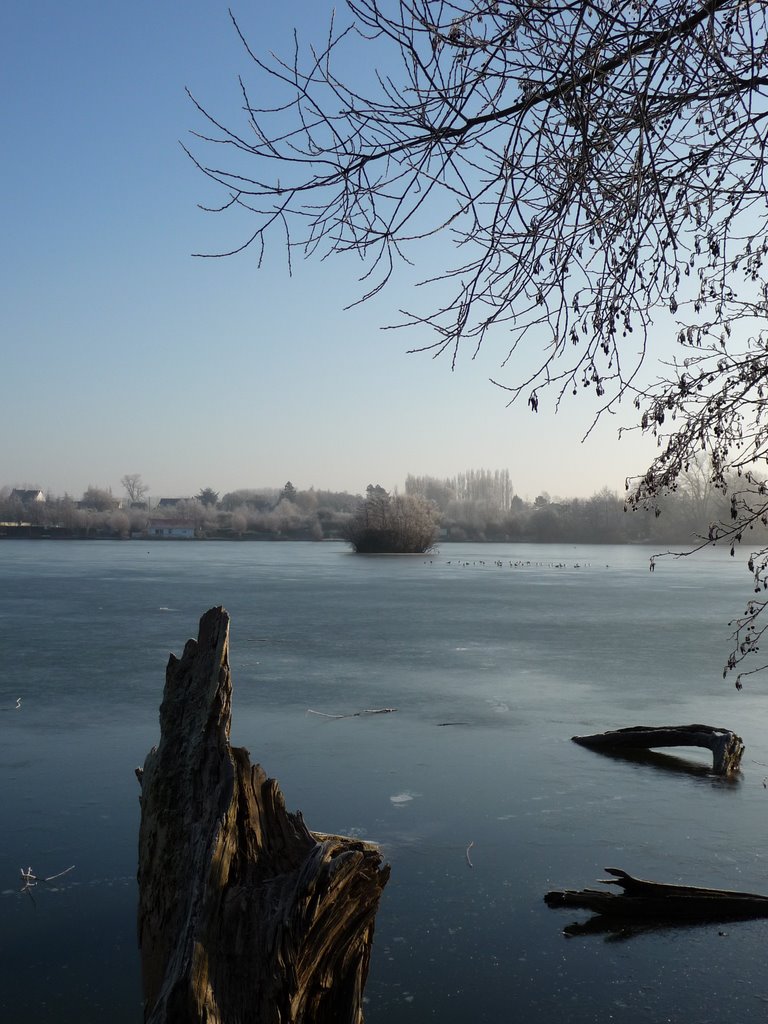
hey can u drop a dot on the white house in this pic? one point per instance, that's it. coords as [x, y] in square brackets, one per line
[176, 529]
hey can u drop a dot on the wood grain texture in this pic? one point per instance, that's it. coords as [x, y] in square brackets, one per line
[244, 914]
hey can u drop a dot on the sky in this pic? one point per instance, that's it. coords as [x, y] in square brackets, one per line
[123, 353]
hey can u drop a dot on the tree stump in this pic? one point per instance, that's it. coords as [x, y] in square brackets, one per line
[244, 914]
[727, 748]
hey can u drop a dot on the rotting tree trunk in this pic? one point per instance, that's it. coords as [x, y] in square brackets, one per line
[727, 748]
[644, 900]
[244, 914]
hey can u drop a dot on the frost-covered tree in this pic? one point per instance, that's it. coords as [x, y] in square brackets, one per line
[134, 486]
[394, 524]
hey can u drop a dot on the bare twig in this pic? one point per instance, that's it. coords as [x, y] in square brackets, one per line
[31, 879]
[587, 161]
[467, 853]
[353, 714]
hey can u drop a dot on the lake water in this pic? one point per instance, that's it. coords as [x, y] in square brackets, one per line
[492, 667]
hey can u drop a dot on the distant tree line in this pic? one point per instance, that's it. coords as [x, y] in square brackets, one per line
[477, 505]
[480, 505]
[481, 486]
[268, 513]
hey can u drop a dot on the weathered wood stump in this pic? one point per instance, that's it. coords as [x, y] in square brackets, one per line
[727, 748]
[244, 914]
[644, 900]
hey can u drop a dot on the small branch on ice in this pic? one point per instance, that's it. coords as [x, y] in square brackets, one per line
[354, 714]
[467, 854]
[31, 879]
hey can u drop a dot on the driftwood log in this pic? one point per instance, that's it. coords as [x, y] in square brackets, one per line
[244, 914]
[644, 900]
[727, 748]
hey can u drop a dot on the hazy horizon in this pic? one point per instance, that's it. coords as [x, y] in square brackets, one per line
[156, 493]
[157, 490]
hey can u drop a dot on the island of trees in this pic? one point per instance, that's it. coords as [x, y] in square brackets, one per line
[477, 505]
[395, 524]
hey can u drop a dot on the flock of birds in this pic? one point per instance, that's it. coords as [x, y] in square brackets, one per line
[518, 564]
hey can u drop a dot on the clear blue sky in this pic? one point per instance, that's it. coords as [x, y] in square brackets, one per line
[121, 353]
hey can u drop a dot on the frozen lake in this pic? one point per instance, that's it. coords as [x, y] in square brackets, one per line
[494, 656]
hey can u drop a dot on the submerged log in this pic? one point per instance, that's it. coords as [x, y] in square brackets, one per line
[727, 748]
[657, 901]
[244, 914]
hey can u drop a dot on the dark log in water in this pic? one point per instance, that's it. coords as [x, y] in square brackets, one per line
[727, 748]
[644, 900]
[244, 914]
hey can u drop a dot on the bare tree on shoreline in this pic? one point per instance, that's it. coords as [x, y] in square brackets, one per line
[134, 486]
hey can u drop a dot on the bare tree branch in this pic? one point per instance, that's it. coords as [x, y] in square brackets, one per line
[597, 168]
